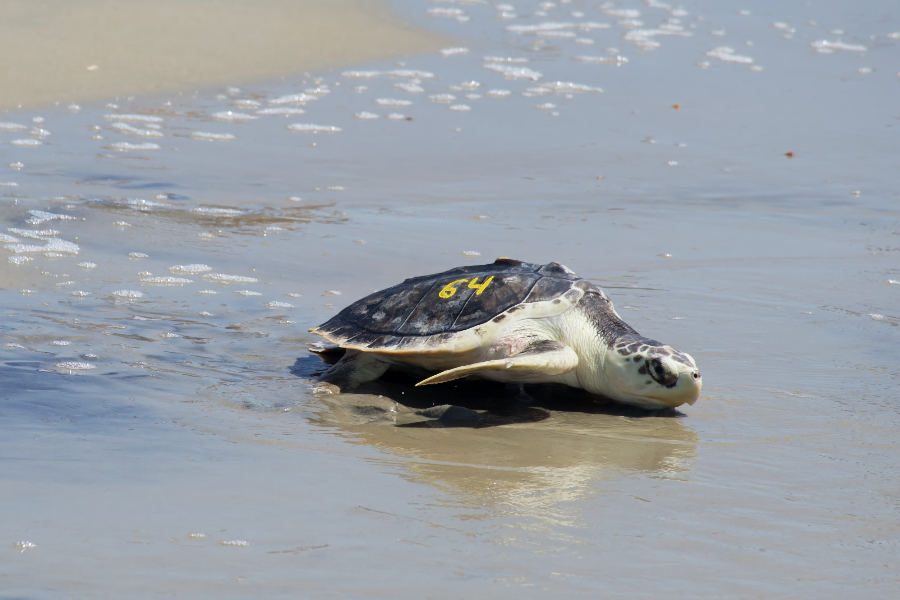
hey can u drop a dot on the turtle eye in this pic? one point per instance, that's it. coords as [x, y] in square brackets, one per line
[660, 374]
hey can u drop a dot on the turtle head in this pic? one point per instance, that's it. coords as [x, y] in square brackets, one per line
[646, 373]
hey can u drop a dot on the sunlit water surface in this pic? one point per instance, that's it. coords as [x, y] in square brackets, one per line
[727, 173]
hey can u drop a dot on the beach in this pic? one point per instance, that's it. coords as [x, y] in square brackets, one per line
[725, 173]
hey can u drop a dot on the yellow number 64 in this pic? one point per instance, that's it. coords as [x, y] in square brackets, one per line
[450, 289]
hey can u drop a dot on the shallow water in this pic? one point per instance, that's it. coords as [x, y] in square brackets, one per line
[159, 436]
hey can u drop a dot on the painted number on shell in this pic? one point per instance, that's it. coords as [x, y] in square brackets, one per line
[450, 289]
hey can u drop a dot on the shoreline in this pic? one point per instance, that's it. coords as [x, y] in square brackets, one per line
[100, 49]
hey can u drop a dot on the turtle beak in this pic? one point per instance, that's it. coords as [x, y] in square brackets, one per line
[696, 384]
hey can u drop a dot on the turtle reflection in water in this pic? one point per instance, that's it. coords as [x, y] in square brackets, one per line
[508, 321]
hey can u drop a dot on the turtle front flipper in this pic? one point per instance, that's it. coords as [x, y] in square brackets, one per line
[535, 364]
[352, 370]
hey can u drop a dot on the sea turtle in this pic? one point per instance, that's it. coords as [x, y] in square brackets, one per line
[508, 321]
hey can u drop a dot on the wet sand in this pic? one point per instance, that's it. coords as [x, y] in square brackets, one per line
[166, 256]
[68, 51]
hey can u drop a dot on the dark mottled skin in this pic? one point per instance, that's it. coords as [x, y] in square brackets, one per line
[599, 310]
[415, 308]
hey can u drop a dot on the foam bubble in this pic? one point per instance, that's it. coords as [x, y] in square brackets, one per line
[75, 366]
[412, 88]
[361, 74]
[826, 47]
[470, 253]
[219, 212]
[563, 87]
[281, 110]
[137, 255]
[233, 117]
[498, 93]
[144, 205]
[80, 294]
[782, 26]
[409, 73]
[222, 278]
[8, 239]
[19, 260]
[235, 543]
[246, 103]
[87, 265]
[293, 99]
[453, 51]
[134, 118]
[126, 128]
[622, 13]
[208, 292]
[511, 72]
[192, 269]
[308, 127]
[365, 115]
[550, 26]
[128, 294]
[169, 335]
[125, 146]
[8, 184]
[9, 126]
[616, 61]
[212, 137]
[726, 54]
[61, 343]
[276, 304]
[446, 12]
[392, 102]
[24, 545]
[396, 116]
[642, 38]
[442, 98]
[40, 216]
[247, 293]
[501, 59]
[460, 107]
[26, 143]
[166, 280]
[557, 34]
[52, 245]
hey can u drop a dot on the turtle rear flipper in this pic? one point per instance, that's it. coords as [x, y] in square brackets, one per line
[352, 370]
[540, 359]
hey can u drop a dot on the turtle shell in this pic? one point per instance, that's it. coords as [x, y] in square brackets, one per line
[426, 312]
